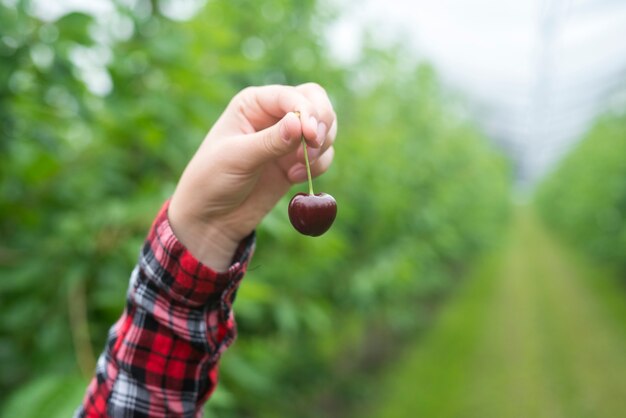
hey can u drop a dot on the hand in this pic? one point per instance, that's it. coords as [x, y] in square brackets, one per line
[247, 162]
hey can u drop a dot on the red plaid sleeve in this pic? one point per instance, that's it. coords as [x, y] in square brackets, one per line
[161, 356]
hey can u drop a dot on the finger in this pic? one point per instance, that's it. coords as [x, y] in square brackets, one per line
[323, 163]
[297, 173]
[320, 100]
[332, 133]
[269, 144]
[327, 141]
[264, 106]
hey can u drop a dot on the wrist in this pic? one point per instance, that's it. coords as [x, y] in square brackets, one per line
[208, 242]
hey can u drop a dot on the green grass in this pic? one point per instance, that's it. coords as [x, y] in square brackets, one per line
[536, 332]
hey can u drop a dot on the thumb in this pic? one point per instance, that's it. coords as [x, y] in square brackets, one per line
[274, 142]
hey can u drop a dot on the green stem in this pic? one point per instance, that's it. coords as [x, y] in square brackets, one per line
[308, 166]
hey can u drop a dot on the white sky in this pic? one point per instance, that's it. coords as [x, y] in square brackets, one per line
[538, 70]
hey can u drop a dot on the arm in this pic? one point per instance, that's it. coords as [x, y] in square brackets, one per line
[162, 355]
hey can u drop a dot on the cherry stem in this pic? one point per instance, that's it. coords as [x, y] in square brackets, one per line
[308, 166]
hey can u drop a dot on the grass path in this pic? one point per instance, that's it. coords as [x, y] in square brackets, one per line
[535, 333]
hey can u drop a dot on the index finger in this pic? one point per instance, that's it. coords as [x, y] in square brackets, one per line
[317, 95]
[265, 105]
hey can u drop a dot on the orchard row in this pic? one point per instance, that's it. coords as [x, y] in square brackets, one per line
[585, 197]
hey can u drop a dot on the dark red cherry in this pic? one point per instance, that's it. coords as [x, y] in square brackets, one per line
[312, 214]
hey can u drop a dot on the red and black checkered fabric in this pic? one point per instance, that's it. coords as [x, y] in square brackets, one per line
[161, 357]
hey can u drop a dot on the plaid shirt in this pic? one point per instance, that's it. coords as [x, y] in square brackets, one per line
[161, 356]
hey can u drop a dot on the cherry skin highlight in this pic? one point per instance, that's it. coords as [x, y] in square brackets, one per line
[312, 214]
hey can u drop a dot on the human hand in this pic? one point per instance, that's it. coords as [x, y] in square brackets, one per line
[247, 162]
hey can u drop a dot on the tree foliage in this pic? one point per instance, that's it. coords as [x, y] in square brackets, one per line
[585, 197]
[98, 117]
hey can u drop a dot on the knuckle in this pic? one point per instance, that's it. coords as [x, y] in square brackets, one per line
[313, 87]
[241, 100]
[242, 94]
[269, 145]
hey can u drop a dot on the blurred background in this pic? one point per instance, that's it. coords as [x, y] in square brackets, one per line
[476, 268]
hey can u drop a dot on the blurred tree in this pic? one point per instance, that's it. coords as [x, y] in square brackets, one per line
[585, 197]
[99, 115]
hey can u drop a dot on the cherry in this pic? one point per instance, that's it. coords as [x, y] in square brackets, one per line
[311, 214]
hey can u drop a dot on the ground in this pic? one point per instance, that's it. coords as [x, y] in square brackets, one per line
[535, 332]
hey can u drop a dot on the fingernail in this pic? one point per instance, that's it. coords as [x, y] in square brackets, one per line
[313, 121]
[321, 133]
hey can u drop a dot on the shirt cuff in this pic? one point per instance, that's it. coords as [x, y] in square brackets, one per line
[185, 279]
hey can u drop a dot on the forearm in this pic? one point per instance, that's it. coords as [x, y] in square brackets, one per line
[161, 356]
